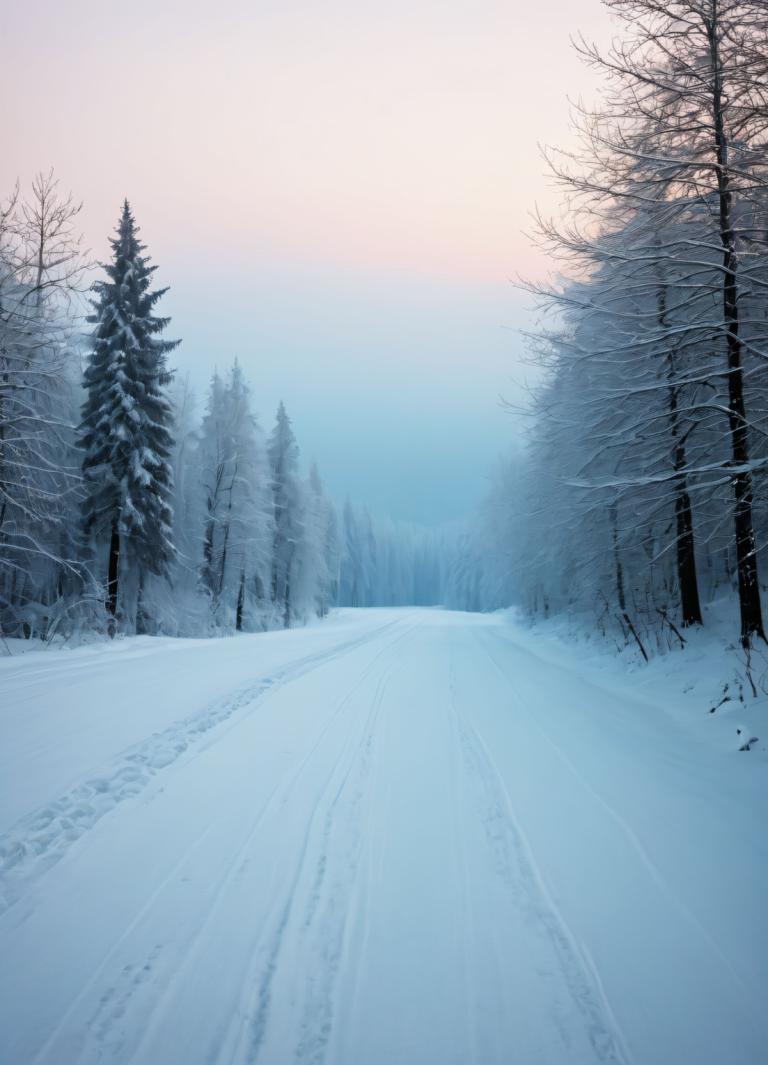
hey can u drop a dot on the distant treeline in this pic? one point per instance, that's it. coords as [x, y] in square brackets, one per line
[121, 509]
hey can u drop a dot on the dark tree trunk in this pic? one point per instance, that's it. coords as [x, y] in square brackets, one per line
[287, 613]
[112, 579]
[686, 559]
[240, 603]
[210, 526]
[619, 575]
[746, 558]
[618, 569]
[687, 579]
[141, 617]
[223, 565]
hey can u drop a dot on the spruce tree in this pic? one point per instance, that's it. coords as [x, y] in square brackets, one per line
[127, 419]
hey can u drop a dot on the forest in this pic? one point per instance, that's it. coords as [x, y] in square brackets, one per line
[123, 511]
[383, 656]
[640, 496]
[637, 500]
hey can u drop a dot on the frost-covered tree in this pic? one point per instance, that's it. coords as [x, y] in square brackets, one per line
[332, 556]
[683, 127]
[186, 474]
[641, 487]
[351, 580]
[389, 563]
[126, 425]
[287, 512]
[41, 269]
[236, 524]
[317, 553]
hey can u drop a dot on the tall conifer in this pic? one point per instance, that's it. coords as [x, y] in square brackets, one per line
[127, 419]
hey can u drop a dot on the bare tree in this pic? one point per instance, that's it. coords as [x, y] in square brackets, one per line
[42, 267]
[660, 341]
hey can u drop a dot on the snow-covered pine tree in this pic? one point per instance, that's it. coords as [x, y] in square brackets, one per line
[287, 510]
[126, 423]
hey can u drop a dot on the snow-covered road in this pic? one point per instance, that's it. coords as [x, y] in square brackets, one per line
[398, 838]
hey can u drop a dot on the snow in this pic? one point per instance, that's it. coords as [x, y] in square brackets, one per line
[401, 836]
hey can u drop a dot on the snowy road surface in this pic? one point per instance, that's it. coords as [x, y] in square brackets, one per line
[398, 838]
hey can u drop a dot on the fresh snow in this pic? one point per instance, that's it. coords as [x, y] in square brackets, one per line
[401, 837]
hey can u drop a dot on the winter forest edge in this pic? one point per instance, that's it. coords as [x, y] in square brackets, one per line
[123, 512]
[638, 500]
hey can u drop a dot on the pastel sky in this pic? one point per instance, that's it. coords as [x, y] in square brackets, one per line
[338, 194]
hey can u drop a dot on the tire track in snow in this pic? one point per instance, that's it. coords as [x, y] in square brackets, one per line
[633, 841]
[90, 984]
[194, 949]
[40, 839]
[106, 1023]
[104, 1036]
[251, 1044]
[515, 864]
[468, 931]
[316, 1025]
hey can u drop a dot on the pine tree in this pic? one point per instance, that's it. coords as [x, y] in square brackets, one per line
[127, 419]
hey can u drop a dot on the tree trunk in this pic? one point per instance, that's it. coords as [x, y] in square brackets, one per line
[687, 579]
[112, 579]
[223, 565]
[619, 574]
[287, 613]
[210, 526]
[686, 559]
[746, 558]
[617, 567]
[240, 603]
[141, 618]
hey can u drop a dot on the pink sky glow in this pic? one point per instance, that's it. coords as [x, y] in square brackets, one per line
[309, 156]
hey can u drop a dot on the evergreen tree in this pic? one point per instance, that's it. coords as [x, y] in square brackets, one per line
[126, 421]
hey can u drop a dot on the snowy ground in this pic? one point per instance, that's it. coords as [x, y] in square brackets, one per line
[406, 837]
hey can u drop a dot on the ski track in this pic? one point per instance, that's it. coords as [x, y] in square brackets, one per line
[43, 837]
